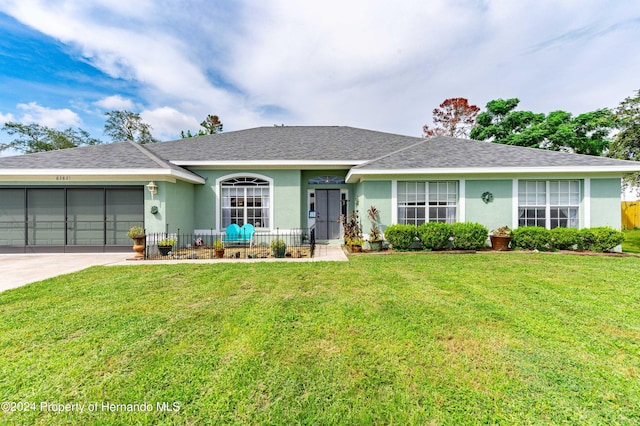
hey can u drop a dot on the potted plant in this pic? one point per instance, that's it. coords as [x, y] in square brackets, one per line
[218, 248]
[166, 245]
[352, 231]
[136, 233]
[375, 236]
[355, 244]
[278, 248]
[500, 238]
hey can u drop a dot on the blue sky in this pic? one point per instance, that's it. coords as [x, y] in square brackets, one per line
[362, 63]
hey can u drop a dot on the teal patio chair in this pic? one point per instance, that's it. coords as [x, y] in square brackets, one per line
[239, 235]
[232, 234]
[246, 233]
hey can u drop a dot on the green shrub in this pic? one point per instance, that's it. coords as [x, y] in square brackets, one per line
[586, 238]
[435, 235]
[531, 238]
[401, 237]
[564, 238]
[469, 236]
[603, 239]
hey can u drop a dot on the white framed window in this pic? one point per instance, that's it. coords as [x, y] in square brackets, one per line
[549, 204]
[420, 202]
[245, 199]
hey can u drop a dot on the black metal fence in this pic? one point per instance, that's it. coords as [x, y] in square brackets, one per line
[292, 243]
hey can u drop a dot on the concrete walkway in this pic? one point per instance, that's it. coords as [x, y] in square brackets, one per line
[19, 269]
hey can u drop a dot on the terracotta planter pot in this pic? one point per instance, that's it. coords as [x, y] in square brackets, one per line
[138, 246]
[355, 248]
[219, 253]
[500, 243]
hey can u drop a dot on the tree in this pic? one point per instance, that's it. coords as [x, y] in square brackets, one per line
[211, 126]
[456, 118]
[127, 126]
[626, 144]
[559, 131]
[33, 137]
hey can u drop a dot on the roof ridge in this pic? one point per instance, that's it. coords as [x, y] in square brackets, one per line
[159, 161]
[391, 153]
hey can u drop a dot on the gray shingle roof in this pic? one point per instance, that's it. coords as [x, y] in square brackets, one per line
[445, 152]
[109, 156]
[372, 150]
[317, 143]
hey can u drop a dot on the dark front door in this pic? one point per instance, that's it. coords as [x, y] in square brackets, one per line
[327, 214]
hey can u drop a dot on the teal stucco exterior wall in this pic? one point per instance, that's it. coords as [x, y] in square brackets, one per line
[493, 214]
[606, 202]
[376, 193]
[174, 202]
[286, 203]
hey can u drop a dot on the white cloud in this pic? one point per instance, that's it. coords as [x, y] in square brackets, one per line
[56, 118]
[166, 122]
[115, 102]
[5, 118]
[366, 63]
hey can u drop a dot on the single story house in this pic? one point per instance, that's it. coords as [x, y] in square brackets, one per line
[85, 199]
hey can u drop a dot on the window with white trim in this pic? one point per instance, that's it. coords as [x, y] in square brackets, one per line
[420, 202]
[245, 200]
[549, 204]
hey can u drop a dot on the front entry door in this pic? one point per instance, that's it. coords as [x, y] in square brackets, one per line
[328, 214]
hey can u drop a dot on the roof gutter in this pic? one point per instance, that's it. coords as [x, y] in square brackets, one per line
[355, 175]
[60, 174]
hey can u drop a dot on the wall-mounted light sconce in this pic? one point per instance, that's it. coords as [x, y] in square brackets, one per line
[153, 188]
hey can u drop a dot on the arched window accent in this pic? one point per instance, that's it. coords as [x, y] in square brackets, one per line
[331, 180]
[245, 199]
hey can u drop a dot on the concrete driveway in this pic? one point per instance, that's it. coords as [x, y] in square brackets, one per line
[19, 269]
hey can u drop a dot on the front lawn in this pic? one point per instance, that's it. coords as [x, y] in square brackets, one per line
[631, 243]
[505, 338]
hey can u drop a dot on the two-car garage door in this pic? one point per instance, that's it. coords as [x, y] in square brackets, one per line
[69, 219]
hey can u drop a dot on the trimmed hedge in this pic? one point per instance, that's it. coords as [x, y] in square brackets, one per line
[531, 238]
[564, 238]
[469, 235]
[473, 236]
[435, 235]
[591, 239]
[605, 238]
[401, 237]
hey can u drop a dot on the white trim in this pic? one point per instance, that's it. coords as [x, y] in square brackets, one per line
[462, 200]
[394, 201]
[354, 175]
[587, 203]
[514, 204]
[104, 173]
[218, 191]
[311, 221]
[268, 163]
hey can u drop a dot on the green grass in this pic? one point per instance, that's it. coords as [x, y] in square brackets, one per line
[631, 243]
[383, 339]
